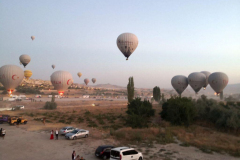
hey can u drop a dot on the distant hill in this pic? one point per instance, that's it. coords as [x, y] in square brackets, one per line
[108, 86]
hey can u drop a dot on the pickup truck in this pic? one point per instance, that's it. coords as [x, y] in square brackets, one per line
[4, 118]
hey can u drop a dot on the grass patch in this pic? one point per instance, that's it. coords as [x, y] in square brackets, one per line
[184, 144]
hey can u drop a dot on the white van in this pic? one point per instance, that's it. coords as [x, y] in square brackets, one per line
[125, 153]
[11, 99]
[14, 96]
[22, 96]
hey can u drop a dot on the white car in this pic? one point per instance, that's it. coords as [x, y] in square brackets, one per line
[125, 153]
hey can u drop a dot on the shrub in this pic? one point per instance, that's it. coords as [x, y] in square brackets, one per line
[50, 105]
[139, 113]
[179, 111]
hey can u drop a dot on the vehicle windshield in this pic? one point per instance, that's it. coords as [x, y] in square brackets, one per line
[64, 128]
[75, 131]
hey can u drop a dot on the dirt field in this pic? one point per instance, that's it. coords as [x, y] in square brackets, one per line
[32, 141]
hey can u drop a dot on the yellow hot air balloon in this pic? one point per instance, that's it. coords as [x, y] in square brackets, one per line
[27, 74]
[79, 74]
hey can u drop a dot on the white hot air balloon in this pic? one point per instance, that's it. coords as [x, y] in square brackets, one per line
[25, 59]
[127, 43]
[86, 81]
[206, 73]
[32, 37]
[53, 66]
[11, 76]
[61, 80]
[218, 81]
[196, 80]
[94, 80]
[179, 83]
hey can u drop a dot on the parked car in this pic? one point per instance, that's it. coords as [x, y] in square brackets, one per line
[13, 120]
[103, 151]
[4, 118]
[17, 107]
[66, 130]
[125, 153]
[77, 133]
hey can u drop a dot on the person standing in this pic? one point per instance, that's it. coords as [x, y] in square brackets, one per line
[56, 134]
[44, 119]
[73, 155]
[52, 137]
[18, 121]
[3, 133]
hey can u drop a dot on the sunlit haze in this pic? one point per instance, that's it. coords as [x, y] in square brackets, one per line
[175, 38]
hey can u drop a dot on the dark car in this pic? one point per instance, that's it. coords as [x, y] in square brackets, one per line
[4, 118]
[103, 151]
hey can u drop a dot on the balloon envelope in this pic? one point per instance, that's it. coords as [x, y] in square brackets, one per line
[94, 80]
[206, 73]
[32, 37]
[11, 76]
[196, 80]
[86, 81]
[179, 83]
[218, 81]
[25, 59]
[79, 74]
[27, 74]
[61, 80]
[127, 43]
[53, 66]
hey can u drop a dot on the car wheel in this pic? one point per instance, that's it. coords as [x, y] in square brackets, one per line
[140, 158]
[25, 122]
[74, 138]
[105, 157]
[86, 135]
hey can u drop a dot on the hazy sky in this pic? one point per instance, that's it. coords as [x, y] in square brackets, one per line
[176, 37]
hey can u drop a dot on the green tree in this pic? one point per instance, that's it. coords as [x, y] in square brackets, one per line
[156, 93]
[139, 113]
[130, 89]
[179, 111]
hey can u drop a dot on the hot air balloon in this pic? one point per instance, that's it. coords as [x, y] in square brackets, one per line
[94, 80]
[79, 74]
[25, 59]
[86, 81]
[196, 80]
[27, 74]
[206, 73]
[53, 66]
[32, 37]
[11, 76]
[127, 43]
[179, 83]
[61, 80]
[218, 81]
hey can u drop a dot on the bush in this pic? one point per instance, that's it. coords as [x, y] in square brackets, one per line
[179, 111]
[139, 113]
[50, 105]
[27, 90]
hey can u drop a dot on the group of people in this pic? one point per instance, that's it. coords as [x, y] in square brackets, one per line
[74, 157]
[56, 134]
[2, 132]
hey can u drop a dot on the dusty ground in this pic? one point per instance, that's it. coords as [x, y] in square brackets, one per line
[28, 142]
[32, 141]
